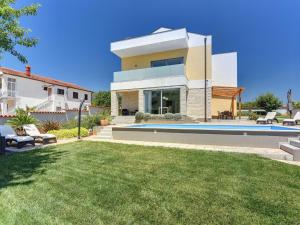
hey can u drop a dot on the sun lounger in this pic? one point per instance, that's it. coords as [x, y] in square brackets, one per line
[270, 117]
[32, 131]
[11, 136]
[294, 121]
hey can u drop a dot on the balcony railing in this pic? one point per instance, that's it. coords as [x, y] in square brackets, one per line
[150, 73]
[8, 93]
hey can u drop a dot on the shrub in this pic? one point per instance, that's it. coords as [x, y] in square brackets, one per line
[139, 116]
[22, 117]
[49, 125]
[169, 116]
[177, 116]
[69, 133]
[147, 116]
[73, 123]
[253, 116]
[89, 122]
[105, 116]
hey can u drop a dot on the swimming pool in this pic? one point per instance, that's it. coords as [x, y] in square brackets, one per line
[217, 127]
[259, 136]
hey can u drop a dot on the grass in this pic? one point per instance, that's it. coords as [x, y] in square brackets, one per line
[105, 183]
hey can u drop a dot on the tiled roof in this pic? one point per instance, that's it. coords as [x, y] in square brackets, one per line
[41, 78]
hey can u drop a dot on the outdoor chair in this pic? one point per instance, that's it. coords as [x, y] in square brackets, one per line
[270, 117]
[32, 131]
[10, 136]
[292, 122]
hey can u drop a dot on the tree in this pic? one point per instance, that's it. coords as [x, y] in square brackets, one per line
[101, 98]
[296, 104]
[268, 102]
[249, 105]
[12, 34]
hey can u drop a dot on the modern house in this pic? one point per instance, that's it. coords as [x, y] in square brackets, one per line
[23, 89]
[165, 72]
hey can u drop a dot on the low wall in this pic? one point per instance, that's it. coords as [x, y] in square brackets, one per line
[257, 139]
[58, 116]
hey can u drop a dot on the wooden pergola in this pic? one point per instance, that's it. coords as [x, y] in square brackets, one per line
[229, 92]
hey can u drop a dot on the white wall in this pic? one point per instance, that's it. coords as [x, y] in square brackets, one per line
[224, 69]
[31, 93]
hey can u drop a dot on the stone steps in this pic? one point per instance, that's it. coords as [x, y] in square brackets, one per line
[292, 147]
[105, 133]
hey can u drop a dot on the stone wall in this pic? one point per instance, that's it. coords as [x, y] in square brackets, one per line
[114, 104]
[195, 103]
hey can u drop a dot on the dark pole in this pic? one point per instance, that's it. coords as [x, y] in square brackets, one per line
[79, 118]
[205, 84]
[2, 144]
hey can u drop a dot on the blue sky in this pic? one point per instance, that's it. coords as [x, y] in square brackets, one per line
[75, 37]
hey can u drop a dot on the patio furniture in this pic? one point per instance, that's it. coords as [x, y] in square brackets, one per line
[10, 136]
[32, 131]
[269, 118]
[125, 112]
[292, 122]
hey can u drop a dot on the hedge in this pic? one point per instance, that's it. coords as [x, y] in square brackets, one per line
[69, 133]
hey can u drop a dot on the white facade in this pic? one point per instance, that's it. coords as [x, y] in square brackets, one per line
[20, 92]
[224, 69]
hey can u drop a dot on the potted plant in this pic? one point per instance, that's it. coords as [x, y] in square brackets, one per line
[105, 119]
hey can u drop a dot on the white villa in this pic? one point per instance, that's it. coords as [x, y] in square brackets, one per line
[20, 89]
[174, 71]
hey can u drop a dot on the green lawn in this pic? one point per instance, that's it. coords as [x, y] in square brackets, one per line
[105, 183]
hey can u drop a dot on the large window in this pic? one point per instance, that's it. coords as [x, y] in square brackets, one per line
[162, 101]
[167, 62]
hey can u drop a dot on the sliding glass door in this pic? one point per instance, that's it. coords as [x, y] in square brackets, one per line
[162, 101]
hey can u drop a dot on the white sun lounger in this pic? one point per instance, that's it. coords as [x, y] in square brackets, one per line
[270, 117]
[293, 121]
[11, 136]
[32, 131]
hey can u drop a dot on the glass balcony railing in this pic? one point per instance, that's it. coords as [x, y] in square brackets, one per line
[150, 73]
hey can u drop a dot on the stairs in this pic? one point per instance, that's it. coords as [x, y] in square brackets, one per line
[123, 120]
[105, 133]
[44, 106]
[292, 147]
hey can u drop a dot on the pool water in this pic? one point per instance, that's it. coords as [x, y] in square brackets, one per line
[217, 127]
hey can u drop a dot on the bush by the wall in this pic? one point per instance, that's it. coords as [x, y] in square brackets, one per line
[69, 133]
[139, 116]
[147, 116]
[177, 116]
[169, 116]
[49, 125]
[253, 116]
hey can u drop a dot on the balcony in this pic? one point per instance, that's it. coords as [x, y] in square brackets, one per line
[150, 73]
[8, 94]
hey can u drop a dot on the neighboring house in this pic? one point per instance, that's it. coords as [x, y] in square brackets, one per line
[164, 72]
[24, 89]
